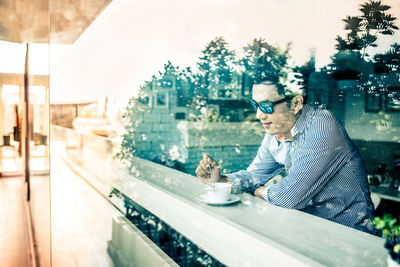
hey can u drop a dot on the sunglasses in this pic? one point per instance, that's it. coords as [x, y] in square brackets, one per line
[267, 107]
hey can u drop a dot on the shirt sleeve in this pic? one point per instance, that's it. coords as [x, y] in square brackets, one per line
[261, 170]
[323, 154]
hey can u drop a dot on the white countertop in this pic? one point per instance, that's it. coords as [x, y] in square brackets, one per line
[249, 233]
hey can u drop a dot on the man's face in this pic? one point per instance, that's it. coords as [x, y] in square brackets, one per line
[281, 121]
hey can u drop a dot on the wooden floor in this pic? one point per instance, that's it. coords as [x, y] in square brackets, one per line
[81, 221]
[14, 237]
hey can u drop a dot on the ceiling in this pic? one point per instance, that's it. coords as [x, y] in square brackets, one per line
[44, 21]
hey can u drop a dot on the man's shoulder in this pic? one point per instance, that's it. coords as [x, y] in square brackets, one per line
[321, 115]
[321, 120]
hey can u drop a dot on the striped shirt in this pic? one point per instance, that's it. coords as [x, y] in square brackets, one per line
[325, 175]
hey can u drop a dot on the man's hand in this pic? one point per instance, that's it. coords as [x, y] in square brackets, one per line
[258, 192]
[203, 170]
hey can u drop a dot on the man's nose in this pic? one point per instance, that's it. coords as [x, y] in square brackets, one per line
[260, 115]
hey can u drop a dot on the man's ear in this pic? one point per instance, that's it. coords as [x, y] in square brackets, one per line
[297, 104]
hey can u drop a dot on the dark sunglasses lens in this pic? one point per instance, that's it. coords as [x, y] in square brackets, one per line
[253, 104]
[266, 108]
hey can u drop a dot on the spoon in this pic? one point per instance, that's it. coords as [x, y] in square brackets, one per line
[211, 176]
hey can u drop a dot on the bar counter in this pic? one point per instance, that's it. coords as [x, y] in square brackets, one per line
[249, 233]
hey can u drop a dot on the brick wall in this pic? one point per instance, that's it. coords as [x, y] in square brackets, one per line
[232, 144]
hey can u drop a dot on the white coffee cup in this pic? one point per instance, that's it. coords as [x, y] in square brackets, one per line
[218, 192]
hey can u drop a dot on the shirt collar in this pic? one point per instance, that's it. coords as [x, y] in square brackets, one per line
[281, 138]
[300, 124]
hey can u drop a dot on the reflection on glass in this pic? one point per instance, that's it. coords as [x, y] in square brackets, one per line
[17, 122]
[201, 105]
[161, 99]
[373, 101]
[392, 99]
[180, 249]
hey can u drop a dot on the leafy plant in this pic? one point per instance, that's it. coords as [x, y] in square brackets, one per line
[363, 30]
[390, 228]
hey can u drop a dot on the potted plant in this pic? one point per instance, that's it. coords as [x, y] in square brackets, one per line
[390, 228]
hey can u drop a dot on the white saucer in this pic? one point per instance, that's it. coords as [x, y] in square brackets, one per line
[203, 198]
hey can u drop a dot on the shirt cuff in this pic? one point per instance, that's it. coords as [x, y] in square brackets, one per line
[235, 181]
[265, 193]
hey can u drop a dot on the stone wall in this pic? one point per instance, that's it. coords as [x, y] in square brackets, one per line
[158, 135]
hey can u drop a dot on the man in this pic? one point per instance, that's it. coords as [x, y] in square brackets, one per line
[325, 174]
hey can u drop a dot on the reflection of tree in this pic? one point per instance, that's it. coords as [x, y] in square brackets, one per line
[363, 30]
[184, 81]
[216, 65]
[377, 76]
[263, 61]
[349, 64]
[127, 149]
[354, 70]
[388, 62]
[303, 73]
[136, 105]
[384, 79]
[352, 60]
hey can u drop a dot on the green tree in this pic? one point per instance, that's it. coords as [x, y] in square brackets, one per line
[216, 65]
[363, 30]
[263, 61]
[132, 113]
[184, 81]
[127, 148]
[352, 60]
[388, 62]
[304, 72]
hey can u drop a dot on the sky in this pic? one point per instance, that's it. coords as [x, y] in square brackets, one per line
[132, 39]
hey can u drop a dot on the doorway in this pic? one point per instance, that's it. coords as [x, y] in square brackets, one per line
[12, 116]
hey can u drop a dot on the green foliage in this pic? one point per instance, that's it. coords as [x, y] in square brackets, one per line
[304, 74]
[396, 248]
[363, 30]
[389, 61]
[218, 66]
[263, 61]
[184, 86]
[220, 69]
[352, 61]
[217, 63]
[389, 226]
[184, 79]
[176, 71]
[127, 149]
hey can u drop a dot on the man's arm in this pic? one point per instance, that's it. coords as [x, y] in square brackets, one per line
[261, 170]
[323, 154]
